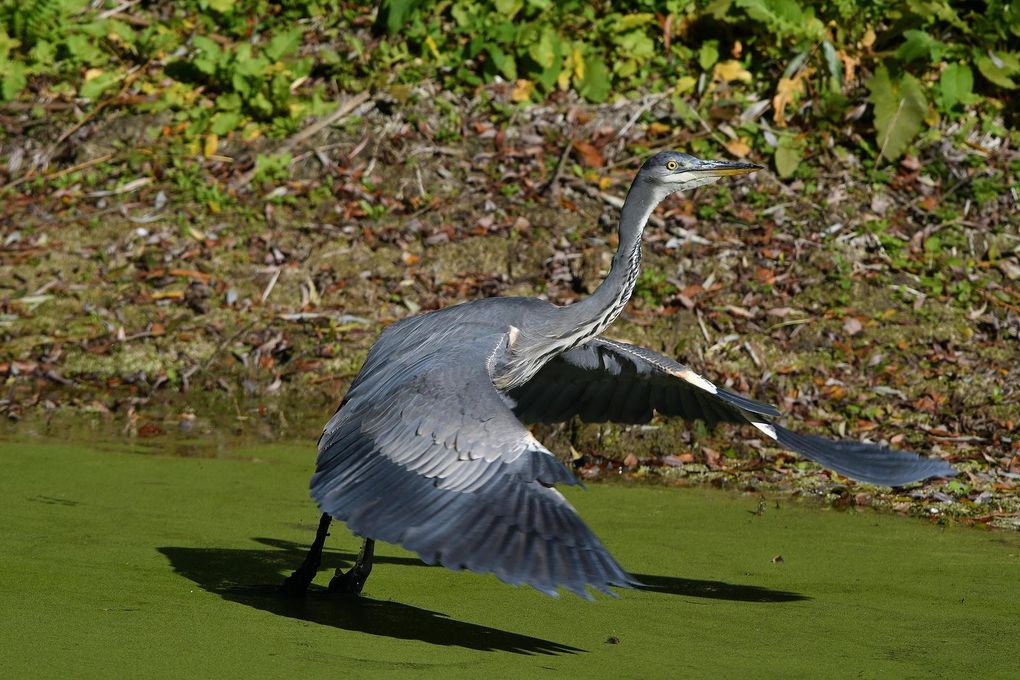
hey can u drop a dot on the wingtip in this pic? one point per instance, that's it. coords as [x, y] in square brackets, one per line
[634, 583]
[748, 404]
[864, 462]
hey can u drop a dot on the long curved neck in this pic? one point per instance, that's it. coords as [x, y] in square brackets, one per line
[589, 317]
[531, 348]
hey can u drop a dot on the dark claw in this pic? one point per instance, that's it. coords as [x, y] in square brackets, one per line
[352, 581]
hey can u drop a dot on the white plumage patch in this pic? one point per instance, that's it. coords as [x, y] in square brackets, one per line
[766, 428]
[696, 380]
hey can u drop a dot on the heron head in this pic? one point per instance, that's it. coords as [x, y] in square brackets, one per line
[675, 171]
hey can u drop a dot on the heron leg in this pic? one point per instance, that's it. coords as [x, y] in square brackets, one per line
[298, 582]
[353, 580]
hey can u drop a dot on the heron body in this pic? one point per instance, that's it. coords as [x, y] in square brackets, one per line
[429, 449]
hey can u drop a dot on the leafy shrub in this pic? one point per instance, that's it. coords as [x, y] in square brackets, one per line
[259, 66]
[916, 54]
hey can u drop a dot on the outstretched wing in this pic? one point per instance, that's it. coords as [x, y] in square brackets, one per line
[431, 457]
[605, 380]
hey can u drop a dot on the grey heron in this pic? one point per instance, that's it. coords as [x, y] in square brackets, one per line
[429, 447]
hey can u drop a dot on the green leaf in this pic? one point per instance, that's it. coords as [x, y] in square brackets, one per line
[708, 54]
[834, 64]
[43, 53]
[502, 32]
[636, 45]
[956, 85]
[788, 156]
[95, 29]
[927, 9]
[221, 6]
[508, 8]
[269, 167]
[504, 63]
[241, 55]
[393, 14]
[12, 79]
[208, 57]
[786, 18]
[594, 86]
[205, 44]
[91, 89]
[7, 43]
[230, 101]
[261, 104]
[223, 122]
[251, 66]
[460, 15]
[917, 45]
[544, 50]
[999, 68]
[122, 30]
[84, 51]
[241, 85]
[625, 69]
[329, 57]
[629, 21]
[900, 107]
[283, 44]
[548, 76]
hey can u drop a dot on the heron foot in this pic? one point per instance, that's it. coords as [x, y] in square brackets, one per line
[298, 582]
[352, 581]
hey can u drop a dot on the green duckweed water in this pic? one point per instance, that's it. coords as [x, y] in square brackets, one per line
[117, 564]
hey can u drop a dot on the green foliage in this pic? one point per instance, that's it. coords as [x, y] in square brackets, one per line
[256, 66]
[788, 155]
[653, 288]
[552, 45]
[393, 14]
[250, 82]
[47, 34]
[784, 19]
[902, 87]
[956, 86]
[13, 73]
[271, 167]
[914, 54]
[999, 67]
[214, 83]
[899, 111]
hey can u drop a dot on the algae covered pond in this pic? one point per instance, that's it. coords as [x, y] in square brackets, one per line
[116, 563]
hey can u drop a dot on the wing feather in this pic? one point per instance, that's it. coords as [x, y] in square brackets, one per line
[431, 457]
[608, 380]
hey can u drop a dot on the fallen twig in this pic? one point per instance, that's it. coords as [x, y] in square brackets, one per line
[649, 102]
[272, 284]
[550, 186]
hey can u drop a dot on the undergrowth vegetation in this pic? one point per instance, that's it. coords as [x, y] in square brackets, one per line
[252, 67]
[212, 207]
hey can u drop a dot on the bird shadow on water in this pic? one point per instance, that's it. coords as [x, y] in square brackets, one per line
[714, 590]
[252, 577]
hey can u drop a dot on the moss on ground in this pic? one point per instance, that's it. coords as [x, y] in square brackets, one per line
[161, 560]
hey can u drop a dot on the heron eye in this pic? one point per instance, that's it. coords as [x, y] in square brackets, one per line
[671, 166]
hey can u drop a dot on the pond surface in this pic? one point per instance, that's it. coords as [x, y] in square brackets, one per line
[115, 564]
